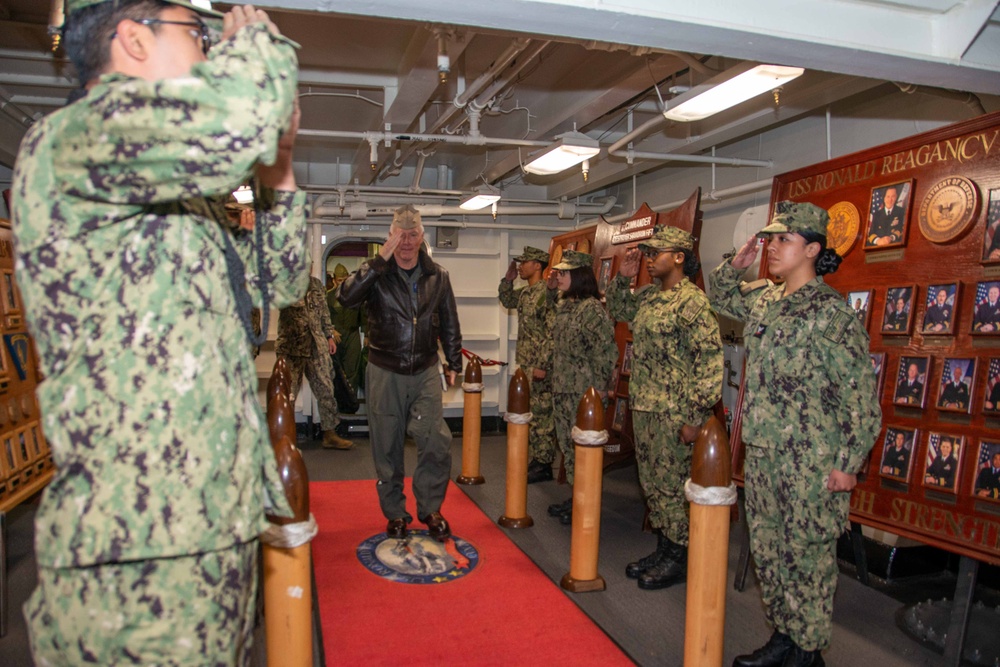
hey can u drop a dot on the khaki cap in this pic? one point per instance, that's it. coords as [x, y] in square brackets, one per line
[798, 218]
[531, 254]
[665, 238]
[573, 259]
[340, 271]
[406, 217]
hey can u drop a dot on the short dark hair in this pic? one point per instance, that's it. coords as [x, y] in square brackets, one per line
[582, 284]
[88, 32]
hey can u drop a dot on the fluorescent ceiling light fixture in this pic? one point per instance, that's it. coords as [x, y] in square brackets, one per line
[243, 194]
[569, 150]
[481, 197]
[729, 89]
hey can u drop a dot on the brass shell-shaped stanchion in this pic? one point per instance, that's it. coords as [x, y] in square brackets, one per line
[472, 419]
[589, 437]
[518, 418]
[287, 556]
[711, 492]
[280, 381]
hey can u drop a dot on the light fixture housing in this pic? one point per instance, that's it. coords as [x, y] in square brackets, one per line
[569, 150]
[728, 89]
[243, 194]
[481, 197]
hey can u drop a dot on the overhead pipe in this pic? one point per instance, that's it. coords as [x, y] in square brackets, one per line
[376, 137]
[329, 195]
[968, 99]
[713, 196]
[456, 224]
[705, 159]
[638, 133]
[562, 210]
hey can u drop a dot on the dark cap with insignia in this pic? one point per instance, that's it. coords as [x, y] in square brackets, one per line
[531, 254]
[798, 218]
[573, 259]
[406, 217]
[668, 238]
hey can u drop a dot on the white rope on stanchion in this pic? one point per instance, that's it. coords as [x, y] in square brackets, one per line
[710, 495]
[290, 535]
[517, 417]
[582, 437]
[473, 387]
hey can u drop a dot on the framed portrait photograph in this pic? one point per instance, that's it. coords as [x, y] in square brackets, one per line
[604, 273]
[986, 318]
[991, 237]
[940, 304]
[621, 408]
[888, 212]
[897, 318]
[991, 399]
[958, 377]
[627, 359]
[944, 455]
[897, 453]
[878, 365]
[860, 302]
[911, 381]
[987, 481]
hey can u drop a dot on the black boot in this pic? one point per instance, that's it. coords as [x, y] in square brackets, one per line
[771, 654]
[799, 657]
[634, 569]
[669, 571]
[539, 472]
[558, 509]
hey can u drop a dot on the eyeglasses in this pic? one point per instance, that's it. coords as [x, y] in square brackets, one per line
[203, 32]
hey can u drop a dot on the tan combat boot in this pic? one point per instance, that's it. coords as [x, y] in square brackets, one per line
[333, 441]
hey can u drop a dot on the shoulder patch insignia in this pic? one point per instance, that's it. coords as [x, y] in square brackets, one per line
[690, 310]
[837, 328]
[746, 288]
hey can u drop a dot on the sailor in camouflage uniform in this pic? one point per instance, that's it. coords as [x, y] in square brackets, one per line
[306, 339]
[535, 315]
[676, 380]
[810, 418]
[583, 354]
[146, 538]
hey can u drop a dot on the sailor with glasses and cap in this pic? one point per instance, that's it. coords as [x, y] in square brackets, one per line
[138, 294]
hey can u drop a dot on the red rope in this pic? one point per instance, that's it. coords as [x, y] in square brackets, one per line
[482, 362]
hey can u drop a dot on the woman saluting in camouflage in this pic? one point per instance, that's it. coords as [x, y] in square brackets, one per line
[676, 379]
[810, 417]
[583, 355]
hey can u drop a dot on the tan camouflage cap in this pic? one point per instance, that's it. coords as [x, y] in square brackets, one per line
[572, 259]
[340, 271]
[530, 254]
[406, 217]
[798, 218]
[74, 5]
[666, 238]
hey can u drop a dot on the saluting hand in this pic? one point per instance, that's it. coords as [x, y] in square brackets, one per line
[240, 16]
[747, 254]
[511, 271]
[630, 263]
[391, 243]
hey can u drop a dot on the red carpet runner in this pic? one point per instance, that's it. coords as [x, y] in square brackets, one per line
[505, 612]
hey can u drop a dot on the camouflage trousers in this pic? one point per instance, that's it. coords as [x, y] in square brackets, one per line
[319, 371]
[664, 464]
[794, 523]
[542, 445]
[190, 610]
[564, 415]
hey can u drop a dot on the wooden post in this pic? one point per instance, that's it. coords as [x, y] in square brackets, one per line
[708, 550]
[516, 507]
[472, 419]
[288, 571]
[587, 481]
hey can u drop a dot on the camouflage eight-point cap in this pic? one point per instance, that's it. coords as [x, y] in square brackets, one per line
[531, 254]
[572, 259]
[200, 7]
[798, 218]
[666, 238]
